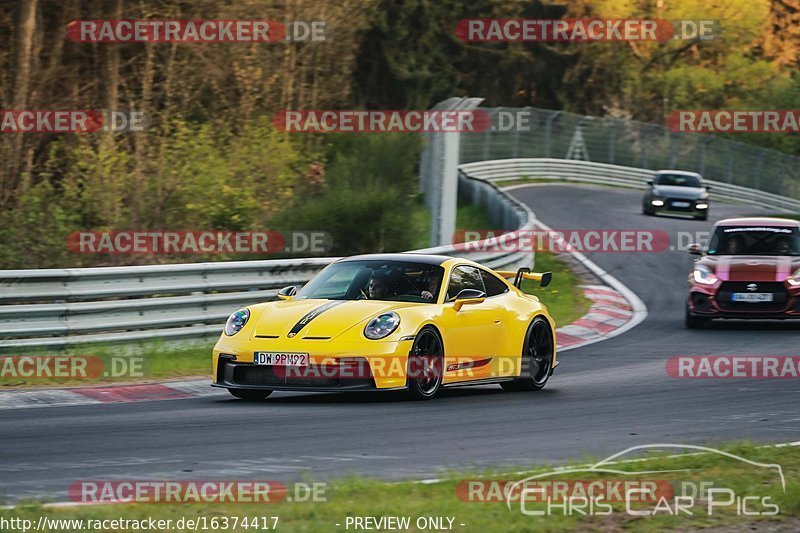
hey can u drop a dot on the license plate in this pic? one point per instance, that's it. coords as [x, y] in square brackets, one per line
[681, 204]
[280, 359]
[755, 297]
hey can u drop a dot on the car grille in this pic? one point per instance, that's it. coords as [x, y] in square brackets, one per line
[256, 375]
[669, 203]
[780, 297]
[265, 376]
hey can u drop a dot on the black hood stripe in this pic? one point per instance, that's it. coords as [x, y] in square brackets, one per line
[311, 315]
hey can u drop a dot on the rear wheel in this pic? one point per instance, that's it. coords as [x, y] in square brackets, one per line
[250, 395]
[425, 365]
[537, 358]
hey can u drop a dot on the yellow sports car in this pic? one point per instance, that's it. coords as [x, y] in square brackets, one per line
[391, 322]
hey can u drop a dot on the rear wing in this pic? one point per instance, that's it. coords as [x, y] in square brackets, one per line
[544, 278]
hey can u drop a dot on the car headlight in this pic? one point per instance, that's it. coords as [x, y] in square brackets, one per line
[382, 326]
[794, 279]
[656, 202]
[702, 205]
[704, 275]
[236, 322]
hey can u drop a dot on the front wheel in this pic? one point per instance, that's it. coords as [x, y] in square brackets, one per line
[537, 358]
[694, 322]
[425, 365]
[250, 395]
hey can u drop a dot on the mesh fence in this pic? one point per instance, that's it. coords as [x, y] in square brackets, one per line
[556, 134]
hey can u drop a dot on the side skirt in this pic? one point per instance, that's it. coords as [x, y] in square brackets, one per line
[491, 381]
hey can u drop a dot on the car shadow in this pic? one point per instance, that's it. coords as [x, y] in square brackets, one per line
[675, 216]
[389, 397]
[754, 325]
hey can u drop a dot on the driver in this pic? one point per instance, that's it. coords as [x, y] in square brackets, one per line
[377, 288]
[735, 245]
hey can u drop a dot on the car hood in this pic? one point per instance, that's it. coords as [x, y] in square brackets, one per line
[322, 319]
[685, 193]
[752, 267]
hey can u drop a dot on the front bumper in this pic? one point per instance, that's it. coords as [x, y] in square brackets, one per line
[346, 367]
[669, 207]
[232, 374]
[716, 302]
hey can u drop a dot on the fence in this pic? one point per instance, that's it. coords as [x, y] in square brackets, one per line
[626, 143]
[501, 170]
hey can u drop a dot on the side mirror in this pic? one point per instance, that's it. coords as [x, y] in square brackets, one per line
[287, 293]
[650, 182]
[468, 297]
[547, 277]
[694, 249]
[708, 187]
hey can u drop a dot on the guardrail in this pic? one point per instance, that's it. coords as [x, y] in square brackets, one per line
[53, 308]
[547, 133]
[63, 307]
[568, 170]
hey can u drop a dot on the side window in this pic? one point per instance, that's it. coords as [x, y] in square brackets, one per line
[493, 285]
[464, 277]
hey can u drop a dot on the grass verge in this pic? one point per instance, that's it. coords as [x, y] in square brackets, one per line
[688, 475]
[109, 363]
[564, 296]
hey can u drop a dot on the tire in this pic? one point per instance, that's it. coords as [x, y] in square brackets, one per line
[250, 395]
[537, 358]
[694, 322]
[425, 365]
[701, 217]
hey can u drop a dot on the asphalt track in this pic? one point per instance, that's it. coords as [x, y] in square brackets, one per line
[604, 398]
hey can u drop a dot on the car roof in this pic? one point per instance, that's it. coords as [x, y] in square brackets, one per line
[404, 257]
[681, 172]
[759, 221]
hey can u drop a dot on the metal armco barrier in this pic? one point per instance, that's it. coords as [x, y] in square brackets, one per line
[604, 174]
[552, 134]
[61, 307]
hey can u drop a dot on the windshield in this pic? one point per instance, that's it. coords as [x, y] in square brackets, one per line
[755, 241]
[678, 180]
[376, 280]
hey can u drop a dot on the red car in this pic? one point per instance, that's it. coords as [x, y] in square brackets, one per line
[751, 270]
